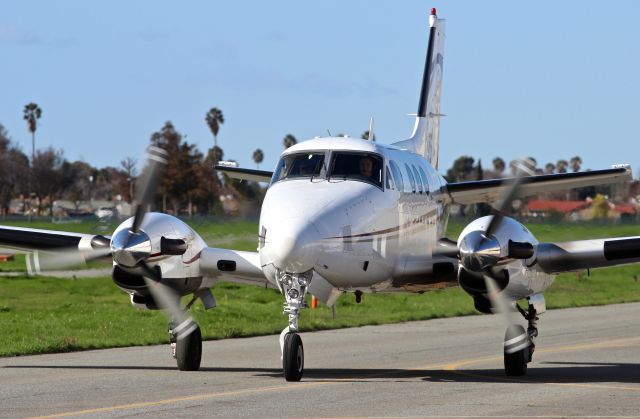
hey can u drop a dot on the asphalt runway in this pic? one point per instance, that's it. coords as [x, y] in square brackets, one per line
[587, 364]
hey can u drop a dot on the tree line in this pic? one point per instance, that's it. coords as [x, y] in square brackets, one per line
[464, 168]
[190, 184]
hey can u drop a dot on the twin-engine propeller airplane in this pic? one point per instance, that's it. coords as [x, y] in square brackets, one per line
[347, 215]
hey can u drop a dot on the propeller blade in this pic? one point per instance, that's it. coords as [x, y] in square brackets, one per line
[149, 180]
[499, 303]
[38, 262]
[169, 302]
[504, 203]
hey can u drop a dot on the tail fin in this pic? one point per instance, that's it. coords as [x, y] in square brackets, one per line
[424, 140]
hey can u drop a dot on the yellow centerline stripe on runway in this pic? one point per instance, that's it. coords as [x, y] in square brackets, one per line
[453, 367]
[183, 399]
[479, 416]
[450, 367]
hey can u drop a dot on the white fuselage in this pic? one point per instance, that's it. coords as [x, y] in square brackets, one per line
[354, 234]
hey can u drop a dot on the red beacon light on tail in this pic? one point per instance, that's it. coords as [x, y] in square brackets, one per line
[433, 11]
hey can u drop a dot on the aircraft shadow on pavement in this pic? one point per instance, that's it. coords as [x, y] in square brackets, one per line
[544, 372]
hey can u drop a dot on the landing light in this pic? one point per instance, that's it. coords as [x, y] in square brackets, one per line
[293, 293]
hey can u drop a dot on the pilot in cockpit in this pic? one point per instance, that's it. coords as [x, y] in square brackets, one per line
[366, 166]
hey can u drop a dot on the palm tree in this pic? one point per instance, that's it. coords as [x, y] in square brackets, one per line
[561, 166]
[549, 168]
[258, 156]
[214, 119]
[575, 162]
[289, 140]
[365, 136]
[32, 113]
[498, 165]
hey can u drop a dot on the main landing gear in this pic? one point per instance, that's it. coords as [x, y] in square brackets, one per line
[294, 287]
[518, 343]
[186, 345]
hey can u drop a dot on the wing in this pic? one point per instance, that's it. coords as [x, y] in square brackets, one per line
[31, 239]
[586, 254]
[490, 190]
[245, 174]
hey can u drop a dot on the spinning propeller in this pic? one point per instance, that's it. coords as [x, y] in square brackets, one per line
[480, 251]
[130, 249]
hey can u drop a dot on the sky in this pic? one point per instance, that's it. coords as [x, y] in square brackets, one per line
[545, 79]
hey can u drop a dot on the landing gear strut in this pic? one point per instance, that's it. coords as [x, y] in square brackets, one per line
[294, 287]
[518, 343]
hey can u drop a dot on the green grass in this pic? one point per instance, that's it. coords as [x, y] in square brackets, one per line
[39, 315]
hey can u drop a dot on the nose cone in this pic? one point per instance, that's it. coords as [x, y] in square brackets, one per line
[478, 252]
[293, 246]
[129, 248]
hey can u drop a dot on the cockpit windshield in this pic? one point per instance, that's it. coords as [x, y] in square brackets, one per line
[299, 165]
[365, 167]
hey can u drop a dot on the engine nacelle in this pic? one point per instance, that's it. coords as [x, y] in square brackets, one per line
[503, 256]
[165, 243]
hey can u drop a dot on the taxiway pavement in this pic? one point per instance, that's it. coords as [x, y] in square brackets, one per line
[587, 363]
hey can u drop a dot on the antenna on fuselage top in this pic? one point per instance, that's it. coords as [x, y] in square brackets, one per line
[328, 132]
[371, 136]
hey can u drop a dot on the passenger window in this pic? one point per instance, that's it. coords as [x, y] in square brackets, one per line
[418, 181]
[389, 180]
[424, 180]
[397, 175]
[412, 180]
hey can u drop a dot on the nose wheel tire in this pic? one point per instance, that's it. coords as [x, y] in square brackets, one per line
[189, 351]
[293, 357]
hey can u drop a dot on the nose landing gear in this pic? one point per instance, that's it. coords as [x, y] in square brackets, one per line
[294, 287]
[293, 357]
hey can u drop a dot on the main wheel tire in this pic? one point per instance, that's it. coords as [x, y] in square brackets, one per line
[293, 357]
[189, 351]
[515, 364]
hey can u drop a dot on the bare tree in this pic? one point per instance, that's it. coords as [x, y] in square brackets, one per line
[129, 167]
[47, 170]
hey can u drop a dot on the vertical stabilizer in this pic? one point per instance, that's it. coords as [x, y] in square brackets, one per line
[424, 140]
